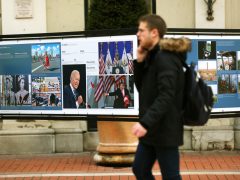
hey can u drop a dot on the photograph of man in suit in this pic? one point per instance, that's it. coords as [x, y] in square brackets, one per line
[71, 96]
[122, 97]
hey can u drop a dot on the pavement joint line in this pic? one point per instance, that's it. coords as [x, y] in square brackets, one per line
[113, 174]
[37, 68]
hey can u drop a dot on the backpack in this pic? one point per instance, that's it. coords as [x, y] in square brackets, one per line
[198, 98]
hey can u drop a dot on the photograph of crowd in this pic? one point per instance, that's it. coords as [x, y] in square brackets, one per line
[46, 91]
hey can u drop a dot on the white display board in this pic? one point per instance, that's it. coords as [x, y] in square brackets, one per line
[36, 76]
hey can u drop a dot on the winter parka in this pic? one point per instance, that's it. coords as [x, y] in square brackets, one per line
[160, 82]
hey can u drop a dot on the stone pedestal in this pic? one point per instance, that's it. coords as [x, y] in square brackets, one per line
[69, 140]
[187, 139]
[27, 141]
[237, 133]
[25, 124]
[116, 145]
[26, 137]
[218, 134]
[114, 159]
[90, 141]
[69, 135]
[41, 136]
[69, 124]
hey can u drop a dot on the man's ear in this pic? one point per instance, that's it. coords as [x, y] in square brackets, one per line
[155, 32]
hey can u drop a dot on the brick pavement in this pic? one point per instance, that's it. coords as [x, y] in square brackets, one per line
[194, 166]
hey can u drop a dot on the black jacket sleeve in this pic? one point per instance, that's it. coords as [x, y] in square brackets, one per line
[138, 72]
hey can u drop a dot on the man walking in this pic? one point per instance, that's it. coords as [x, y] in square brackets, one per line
[159, 79]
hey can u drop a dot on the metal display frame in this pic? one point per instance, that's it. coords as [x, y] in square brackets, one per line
[111, 32]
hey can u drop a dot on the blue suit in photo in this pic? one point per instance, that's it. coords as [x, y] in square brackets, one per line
[69, 99]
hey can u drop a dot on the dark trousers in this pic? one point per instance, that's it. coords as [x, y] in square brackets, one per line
[168, 159]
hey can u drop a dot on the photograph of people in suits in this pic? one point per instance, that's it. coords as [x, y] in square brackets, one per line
[73, 95]
[122, 97]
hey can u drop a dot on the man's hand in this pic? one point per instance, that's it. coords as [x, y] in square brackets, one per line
[138, 130]
[80, 100]
[106, 94]
[141, 54]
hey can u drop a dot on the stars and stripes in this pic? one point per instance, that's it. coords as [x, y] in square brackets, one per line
[101, 64]
[108, 82]
[99, 90]
[105, 80]
[105, 84]
[130, 66]
[130, 59]
[119, 79]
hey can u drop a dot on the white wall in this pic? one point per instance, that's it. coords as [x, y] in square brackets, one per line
[11, 25]
[177, 13]
[65, 15]
[193, 13]
[218, 14]
[232, 14]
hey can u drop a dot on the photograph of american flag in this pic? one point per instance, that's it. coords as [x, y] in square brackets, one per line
[115, 57]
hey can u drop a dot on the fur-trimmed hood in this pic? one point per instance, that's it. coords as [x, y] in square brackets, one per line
[178, 45]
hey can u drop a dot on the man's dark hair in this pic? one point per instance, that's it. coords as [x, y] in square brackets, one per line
[155, 21]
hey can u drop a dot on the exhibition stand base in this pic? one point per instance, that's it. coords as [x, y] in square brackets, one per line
[117, 145]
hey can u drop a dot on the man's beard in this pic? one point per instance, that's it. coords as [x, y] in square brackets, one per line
[147, 44]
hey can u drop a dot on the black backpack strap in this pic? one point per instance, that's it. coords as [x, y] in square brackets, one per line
[192, 65]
